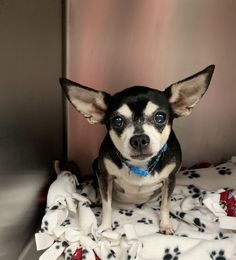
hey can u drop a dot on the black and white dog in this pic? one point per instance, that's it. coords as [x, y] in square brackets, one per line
[140, 154]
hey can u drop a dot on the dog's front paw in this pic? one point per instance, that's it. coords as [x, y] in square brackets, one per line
[103, 228]
[166, 228]
[106, 232]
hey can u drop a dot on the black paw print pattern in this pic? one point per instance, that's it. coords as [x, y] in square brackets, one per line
[126, 212]
[156, 208]
[145, 221]
[55, 207]
[201, 227]
[111, 255]
[115, 225]
[176, 199]
[86, 204]
[180, 214]
[183, 235]
[98, 213]
[58, 244]
[129, 257]
[66, 223]
[84, 194]
[68, 254]
[173, 216]
[223, 170]
[171, 255]
[194, 191]
[221, 236]
[220, 255]
[93, 205]
[139, 206]
[44, 226]
[191, 174]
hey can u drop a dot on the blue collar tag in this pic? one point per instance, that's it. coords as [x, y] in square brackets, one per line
[146, 172]
[138, 171]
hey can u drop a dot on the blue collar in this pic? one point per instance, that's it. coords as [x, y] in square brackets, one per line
[150, 168]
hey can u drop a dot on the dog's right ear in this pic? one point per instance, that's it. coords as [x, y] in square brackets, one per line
[92, 104]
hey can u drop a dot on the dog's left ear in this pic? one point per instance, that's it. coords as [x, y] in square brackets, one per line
[92, 104]
[185, 94]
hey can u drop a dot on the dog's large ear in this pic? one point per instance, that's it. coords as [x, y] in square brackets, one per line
[92, 104]
[185, 94]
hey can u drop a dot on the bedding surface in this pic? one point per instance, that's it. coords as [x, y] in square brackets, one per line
[70, 228]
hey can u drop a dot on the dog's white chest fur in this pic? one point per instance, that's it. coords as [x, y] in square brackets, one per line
[132, 188]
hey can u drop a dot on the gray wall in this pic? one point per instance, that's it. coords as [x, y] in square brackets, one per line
[30, 113]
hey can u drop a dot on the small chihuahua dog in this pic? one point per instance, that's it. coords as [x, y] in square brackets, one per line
[140, 154]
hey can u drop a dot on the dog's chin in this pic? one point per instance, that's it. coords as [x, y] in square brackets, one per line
[141, 156]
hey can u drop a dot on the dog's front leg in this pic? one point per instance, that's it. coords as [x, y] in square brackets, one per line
[106, 205]
[105, 183]
[165, 223]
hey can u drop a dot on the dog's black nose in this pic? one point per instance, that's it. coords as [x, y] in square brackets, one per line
[139, 142]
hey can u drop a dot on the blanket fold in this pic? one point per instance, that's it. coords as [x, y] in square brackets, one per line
[70, 225]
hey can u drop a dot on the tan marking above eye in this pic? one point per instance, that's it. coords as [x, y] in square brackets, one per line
[125, 111]
[150, 108]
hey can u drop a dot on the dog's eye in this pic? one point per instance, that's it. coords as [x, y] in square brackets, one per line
[160, 117]
[117, 122]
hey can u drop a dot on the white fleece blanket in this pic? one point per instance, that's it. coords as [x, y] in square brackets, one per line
[72, 218]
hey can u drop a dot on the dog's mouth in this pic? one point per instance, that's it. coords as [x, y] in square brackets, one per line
[141, 156]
